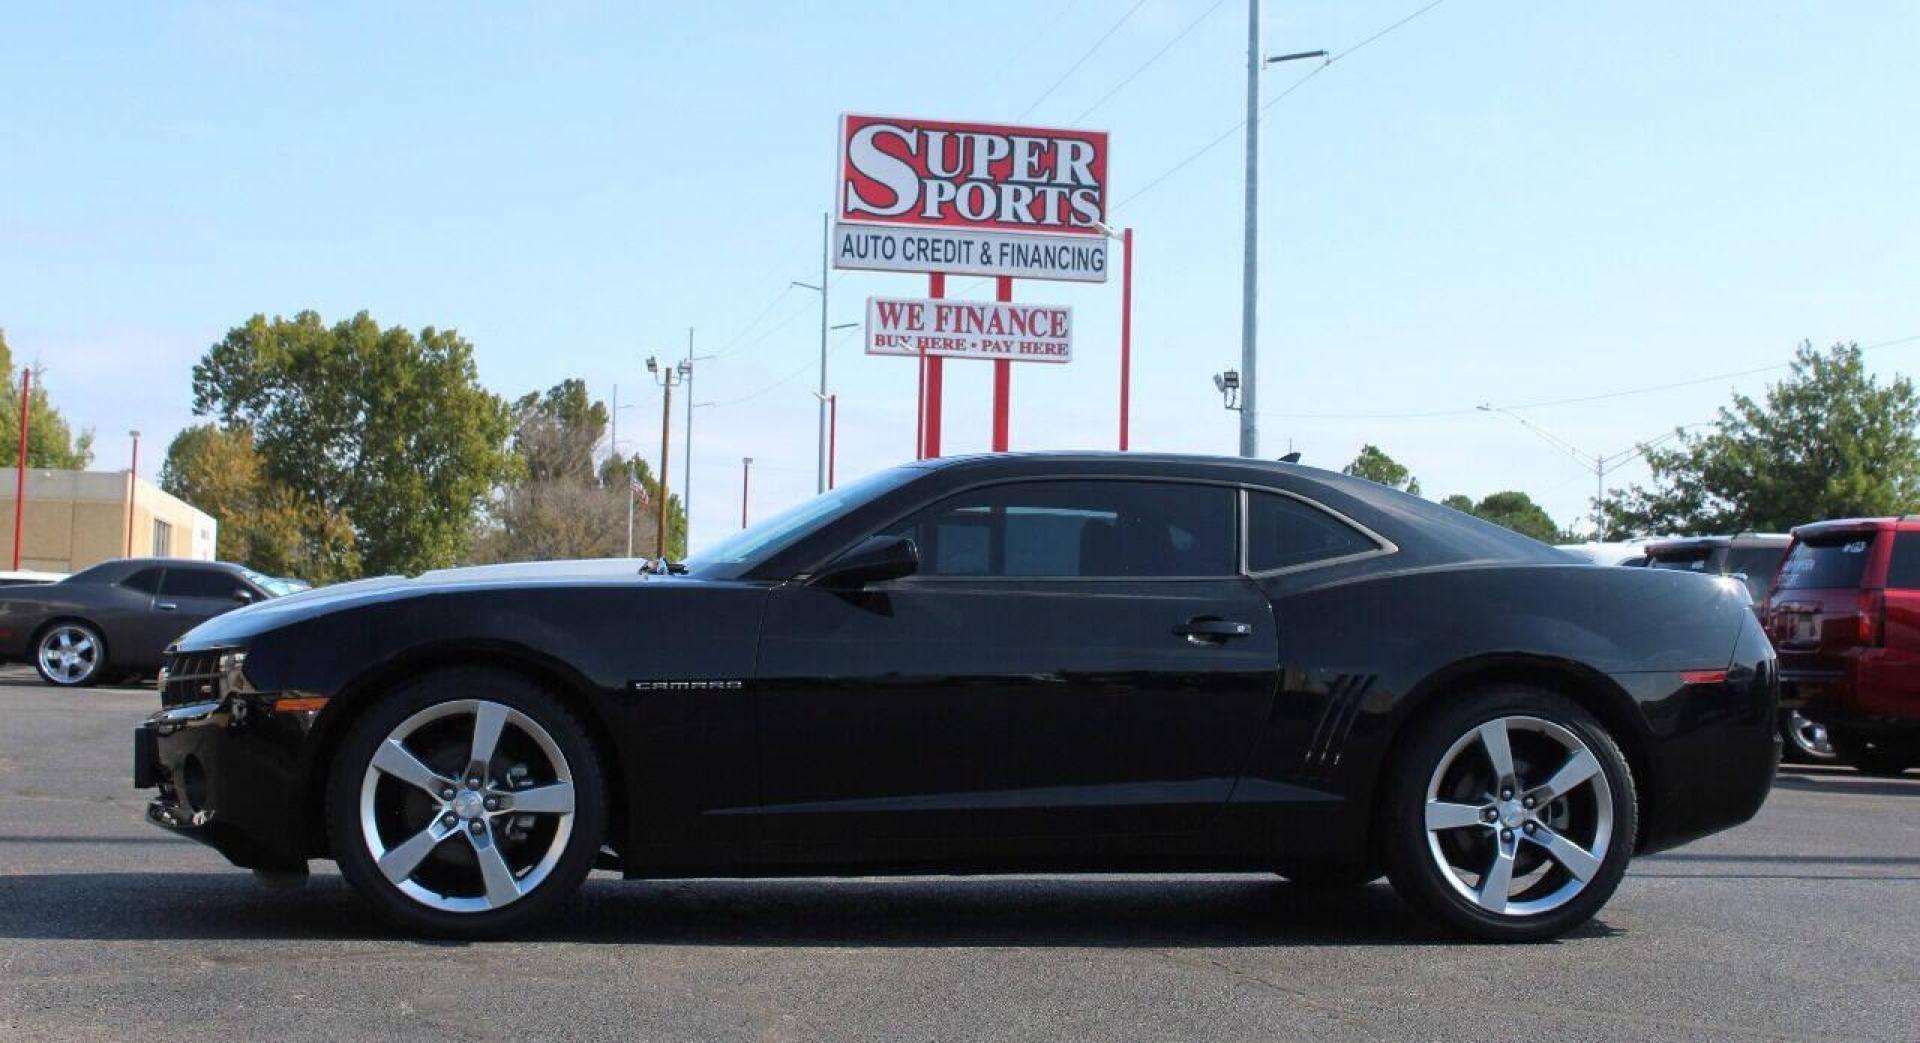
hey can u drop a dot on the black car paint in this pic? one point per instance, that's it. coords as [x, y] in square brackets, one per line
[1068, 727]
[137, 626]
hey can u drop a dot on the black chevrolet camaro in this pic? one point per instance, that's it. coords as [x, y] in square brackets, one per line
[999, 664]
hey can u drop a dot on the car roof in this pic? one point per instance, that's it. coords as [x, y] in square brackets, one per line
[1832, 525]
[115, 569]
[1744, 539]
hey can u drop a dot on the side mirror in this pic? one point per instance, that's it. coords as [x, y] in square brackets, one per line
[243, 596]
[876, 559]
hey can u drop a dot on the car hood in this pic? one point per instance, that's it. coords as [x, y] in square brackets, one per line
[243, 623]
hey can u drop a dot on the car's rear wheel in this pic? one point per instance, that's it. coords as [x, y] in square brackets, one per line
[467, 803]
[70, 654]
[1873, 756]
[1510, 815]
[1807, 741]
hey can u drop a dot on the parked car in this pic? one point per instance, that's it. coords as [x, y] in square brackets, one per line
[115, 620]
[28, 577]
[1046, 662]
[1628, 552]
[1844, 613]
[1753, 557]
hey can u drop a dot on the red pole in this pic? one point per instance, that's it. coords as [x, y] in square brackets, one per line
[833, 434]
[920, 409]
[1126, 331]
[746, 464]
[20, 476]
[937, 289]
[133, 487]
[1002, 375]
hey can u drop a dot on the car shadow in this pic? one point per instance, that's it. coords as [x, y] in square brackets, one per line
[1848, 784]
[1171, 912]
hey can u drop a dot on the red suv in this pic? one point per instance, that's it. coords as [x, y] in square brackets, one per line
[1844, 615]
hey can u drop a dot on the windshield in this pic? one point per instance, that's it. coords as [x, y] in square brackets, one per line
[273, 584]
[763, 540]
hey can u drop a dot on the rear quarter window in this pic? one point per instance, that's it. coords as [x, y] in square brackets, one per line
[1827, 562]
[1903, 573]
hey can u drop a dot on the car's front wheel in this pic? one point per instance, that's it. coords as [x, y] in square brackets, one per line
[467, 803]
[70, 654]
[1510, 815]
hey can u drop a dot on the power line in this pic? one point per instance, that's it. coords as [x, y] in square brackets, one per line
[789, 378]
[1097, 44]
[1581, 399]
[1143, 66]
[1296, 85]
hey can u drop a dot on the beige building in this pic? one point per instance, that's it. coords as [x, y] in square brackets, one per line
[74, 519]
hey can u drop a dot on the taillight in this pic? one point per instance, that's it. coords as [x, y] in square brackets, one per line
[1871, 619]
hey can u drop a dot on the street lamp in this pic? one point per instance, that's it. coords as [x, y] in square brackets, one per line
[1250, 276]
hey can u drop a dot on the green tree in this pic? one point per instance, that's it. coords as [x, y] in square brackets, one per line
[384, 427]
[1828, 441]
[51, 443]
[558, 505]
[1511, 509]
[262, 525]
[1376, 466]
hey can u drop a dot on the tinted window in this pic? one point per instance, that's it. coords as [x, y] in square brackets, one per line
[1827, 562]
[1904, 571]
[1758, 564]
[1282, 531]
[1068, 529]
[146, 581]
[199, 583]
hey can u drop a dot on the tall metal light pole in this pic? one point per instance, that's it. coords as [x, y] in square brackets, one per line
[826, 247]
[1250, 277]
[133, 491]
[686, 479]
[20, 476]
[746, 469]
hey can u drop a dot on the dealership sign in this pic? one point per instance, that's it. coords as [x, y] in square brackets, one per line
[969, 329]
[918, 195]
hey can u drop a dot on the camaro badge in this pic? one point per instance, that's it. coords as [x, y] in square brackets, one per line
[685, 686]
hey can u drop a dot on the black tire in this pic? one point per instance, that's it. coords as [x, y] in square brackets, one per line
[1331, 876]
[98, 666]
[1877, 757]
[1412, 862]
[440, 692]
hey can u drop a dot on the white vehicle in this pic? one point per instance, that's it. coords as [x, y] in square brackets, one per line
[1633, 552]
[21, 577]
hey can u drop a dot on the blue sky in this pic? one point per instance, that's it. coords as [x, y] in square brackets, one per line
[1499, 202]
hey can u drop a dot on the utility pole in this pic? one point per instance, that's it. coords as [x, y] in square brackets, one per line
[746, 469]
[826, 247]
[1250, 275]
[133, 490]
[20, 476]
[667, 378]
[1600, 465]
[686, 480]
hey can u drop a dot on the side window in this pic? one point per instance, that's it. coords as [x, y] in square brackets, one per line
[199, 583]
[1903, 573]
[1283, 532]
[146, 581]
[1078, 529]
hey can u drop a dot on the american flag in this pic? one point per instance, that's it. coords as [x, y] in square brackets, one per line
[639, 491]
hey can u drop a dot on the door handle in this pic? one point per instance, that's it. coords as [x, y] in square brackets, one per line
[165, 606]
[1207, 630]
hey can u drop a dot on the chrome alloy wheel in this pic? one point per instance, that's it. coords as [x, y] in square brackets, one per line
[69, 653]
[1519, 816]
[476, 769]
[1808, 736]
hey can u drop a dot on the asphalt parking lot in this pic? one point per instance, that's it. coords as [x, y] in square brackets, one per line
[1803, 924]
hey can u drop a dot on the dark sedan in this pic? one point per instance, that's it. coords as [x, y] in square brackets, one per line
[115, 620]
[1028, 663]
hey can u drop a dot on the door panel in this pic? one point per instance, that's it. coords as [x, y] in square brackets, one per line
[1008, 707]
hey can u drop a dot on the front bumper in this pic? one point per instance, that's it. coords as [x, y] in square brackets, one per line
[226, 778]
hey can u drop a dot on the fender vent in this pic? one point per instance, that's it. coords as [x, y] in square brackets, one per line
[1337, 714]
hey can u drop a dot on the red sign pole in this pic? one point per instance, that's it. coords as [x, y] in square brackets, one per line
[936, 289]
[1126, 332]
[20, 476]
[1002, 375]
